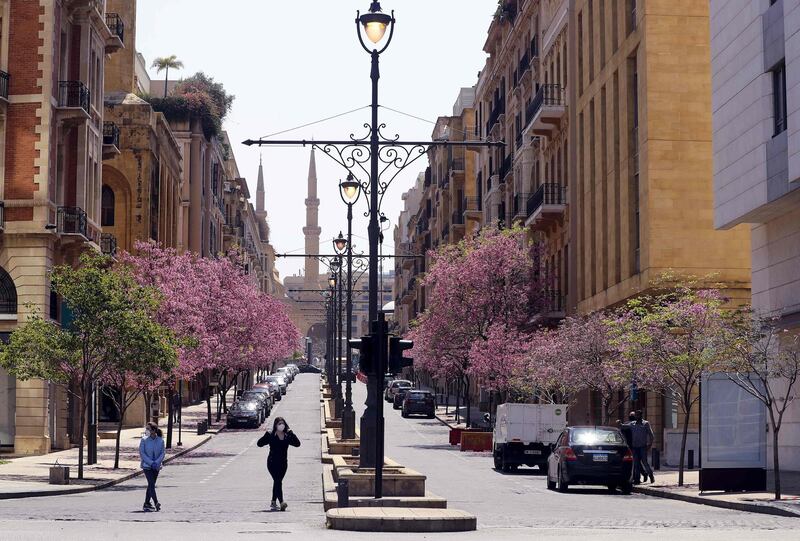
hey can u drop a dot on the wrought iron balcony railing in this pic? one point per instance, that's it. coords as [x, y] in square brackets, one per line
[549, 193]
[520, 204]
[108, 244]
[110, 134]
[473, 203]
[73, 94]
[71, 221]
[4, 84]
[547, 95]
[115, 24]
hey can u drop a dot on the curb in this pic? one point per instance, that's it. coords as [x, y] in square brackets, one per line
[106, 484]
[737, 506]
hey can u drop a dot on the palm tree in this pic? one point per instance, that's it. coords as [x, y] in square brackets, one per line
[164, 63]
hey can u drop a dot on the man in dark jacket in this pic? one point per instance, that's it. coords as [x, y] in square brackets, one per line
[641, 440]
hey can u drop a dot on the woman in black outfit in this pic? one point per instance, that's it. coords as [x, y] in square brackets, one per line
[279, 440]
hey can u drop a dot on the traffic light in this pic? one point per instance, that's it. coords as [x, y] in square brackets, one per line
[396, 360]
[365, 353]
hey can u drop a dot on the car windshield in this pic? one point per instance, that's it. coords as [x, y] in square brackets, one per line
[596, 436]
[247, 406]
[405, 384]
[417, 395]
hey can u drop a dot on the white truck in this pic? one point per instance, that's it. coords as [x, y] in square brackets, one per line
[525, 434]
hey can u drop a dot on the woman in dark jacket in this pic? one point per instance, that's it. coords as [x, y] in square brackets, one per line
[279, 440]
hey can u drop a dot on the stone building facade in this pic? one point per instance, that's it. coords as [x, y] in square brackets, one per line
[52, 58]
[755, 61]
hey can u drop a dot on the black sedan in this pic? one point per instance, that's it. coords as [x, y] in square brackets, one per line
[419, 403]
[590, 455]
[261, 395]
[246, 413]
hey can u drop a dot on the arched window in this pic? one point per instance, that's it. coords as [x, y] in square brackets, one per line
[8, 294]
[107, 207]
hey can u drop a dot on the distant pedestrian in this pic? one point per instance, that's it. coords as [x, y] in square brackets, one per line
[151, 453]
[176, 407]
[641, 440]
[279, 440]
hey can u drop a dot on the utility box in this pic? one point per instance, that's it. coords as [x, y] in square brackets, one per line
[524, 434]
[59, 475]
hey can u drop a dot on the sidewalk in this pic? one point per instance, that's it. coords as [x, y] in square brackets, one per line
[447, 414]
[29, 476]
[666, 486]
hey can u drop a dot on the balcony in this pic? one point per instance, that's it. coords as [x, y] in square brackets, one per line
[110, 140]
[546, 111]
[496, 115]
[116, 39]
[72, 221]
[546, 205]
[4, 85]
[108, 244]
[456, 166]
[505, 168]
[73, 101]
[520, 207]
[552, 306]
[473, 206]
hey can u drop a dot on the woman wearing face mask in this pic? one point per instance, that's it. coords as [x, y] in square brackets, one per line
[279, 440]
[151, 453]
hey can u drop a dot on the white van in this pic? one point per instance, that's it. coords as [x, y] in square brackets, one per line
[524, 434]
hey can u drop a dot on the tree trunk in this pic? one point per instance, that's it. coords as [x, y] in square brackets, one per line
[468, 401]
[683, 445]
[85, 395]
[458, 401]
[170, 412]
[166, 79]
[116, 449]
[776, 463]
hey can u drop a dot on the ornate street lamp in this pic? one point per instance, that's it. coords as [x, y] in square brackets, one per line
[349, 191]
[375, 22]
[340, 243]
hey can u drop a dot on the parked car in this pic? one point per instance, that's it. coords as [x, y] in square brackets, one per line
[262, 395]
[280, 381]
[416, 402]
[309, 369]
[399, 395]
[244, 412]
[274, 389]
[591, 455]
[524, 434]
[285, 372]
[293, 367]
[393, 387]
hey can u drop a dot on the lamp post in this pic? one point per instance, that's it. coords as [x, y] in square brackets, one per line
[339, 402]
[381, 159]
[332, 339]
[350, 191]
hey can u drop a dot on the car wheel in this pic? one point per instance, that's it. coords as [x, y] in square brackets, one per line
[498, 464]
[561, 485]
[551, 485]
[395, 406]
[505, 466]
[431, 416]
[612, 487]
[404, 414]
[626, 488]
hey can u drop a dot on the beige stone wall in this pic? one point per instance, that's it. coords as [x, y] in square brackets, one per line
[669, 51]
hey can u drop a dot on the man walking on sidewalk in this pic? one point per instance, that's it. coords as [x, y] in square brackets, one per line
[641, 440]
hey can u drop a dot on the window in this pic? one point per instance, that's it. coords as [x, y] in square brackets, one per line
[107, 207]
[779, 96]
[8, 294]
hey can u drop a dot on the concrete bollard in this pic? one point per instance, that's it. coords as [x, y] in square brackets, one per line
[690, 459]
[202, 427]
[343, 493]
[59, 475]
[655, 460]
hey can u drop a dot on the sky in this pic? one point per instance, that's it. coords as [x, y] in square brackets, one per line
[294, 63]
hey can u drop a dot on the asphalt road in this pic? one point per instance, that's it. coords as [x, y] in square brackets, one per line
[221, 491]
